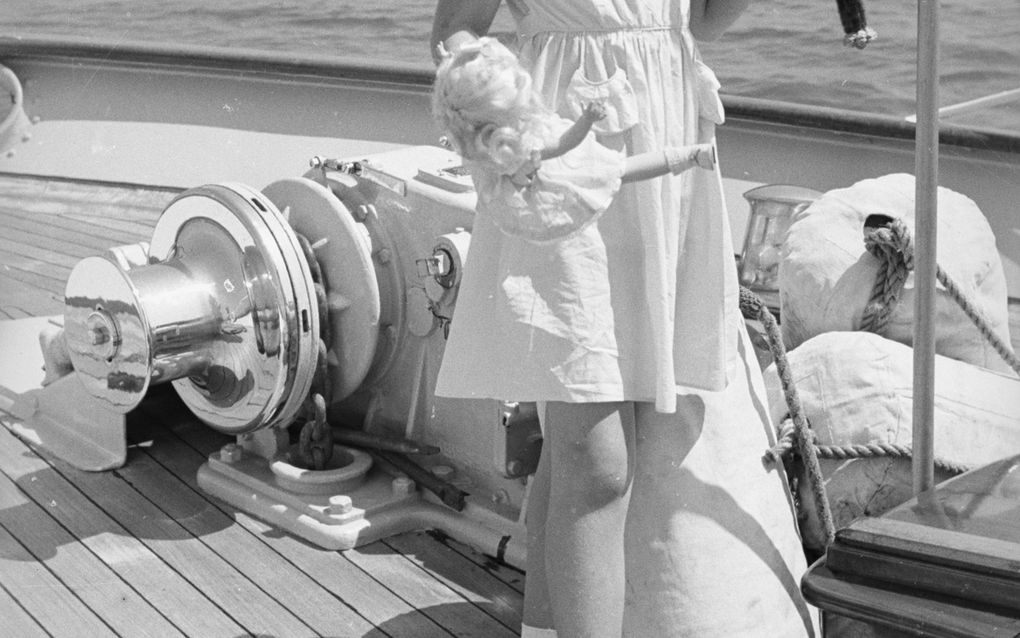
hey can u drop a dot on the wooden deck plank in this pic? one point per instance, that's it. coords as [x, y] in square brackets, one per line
[47, 286]
[330, 570]
[32, 259]
[13, 312]
[417, 586]
[266, 568]
[447, 601]
[113, 231]
[184, 605]
[68, 195]
[41, 262]
[17, 621]
[122, 214]
[40, 593]
[135, 230]
[99, 587]
[45, 233]
[463, 576]
[222, 583]
[18, 298]
[460, 610]
[510, 576]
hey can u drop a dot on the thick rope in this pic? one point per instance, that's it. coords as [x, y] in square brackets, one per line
[785, 444]
[978, 319]
[888, 239]
[753, 307]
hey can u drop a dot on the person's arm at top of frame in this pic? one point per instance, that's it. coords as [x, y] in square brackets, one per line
[710, 18]
[458, 21]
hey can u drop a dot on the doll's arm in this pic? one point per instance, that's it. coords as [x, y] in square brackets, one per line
[672, 159]
[593, 112]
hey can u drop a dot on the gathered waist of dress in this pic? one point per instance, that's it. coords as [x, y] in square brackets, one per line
[574, 31]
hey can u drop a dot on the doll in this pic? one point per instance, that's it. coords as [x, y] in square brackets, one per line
[540, 177]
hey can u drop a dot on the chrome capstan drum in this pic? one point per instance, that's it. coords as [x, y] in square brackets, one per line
[225, 309]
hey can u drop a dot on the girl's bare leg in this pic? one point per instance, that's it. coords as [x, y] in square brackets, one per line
[591, 448]
[537, 607]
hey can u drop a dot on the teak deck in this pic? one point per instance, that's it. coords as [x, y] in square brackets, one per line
[142, 551]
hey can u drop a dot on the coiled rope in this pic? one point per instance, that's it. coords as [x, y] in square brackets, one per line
[800, 436]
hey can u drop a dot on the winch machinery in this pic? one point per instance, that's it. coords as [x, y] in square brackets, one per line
[340, 284]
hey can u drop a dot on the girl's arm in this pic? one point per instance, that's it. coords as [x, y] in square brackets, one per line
[593, 112]
[673, 159]
[458, 21]
[710, 18]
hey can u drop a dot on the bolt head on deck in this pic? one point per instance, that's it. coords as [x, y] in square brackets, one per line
[403, 486]
[339, 505]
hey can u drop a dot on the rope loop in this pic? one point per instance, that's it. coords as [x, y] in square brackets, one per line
[888, 240]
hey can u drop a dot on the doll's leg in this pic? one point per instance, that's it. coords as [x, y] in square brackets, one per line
[591, 464]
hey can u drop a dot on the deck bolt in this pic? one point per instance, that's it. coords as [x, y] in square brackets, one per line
[383, 255]
[339, 505]
[402, 486]
[230, 453]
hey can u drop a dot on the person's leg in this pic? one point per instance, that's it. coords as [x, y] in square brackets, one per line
[712, 543]
[537, 607]
[591, 463]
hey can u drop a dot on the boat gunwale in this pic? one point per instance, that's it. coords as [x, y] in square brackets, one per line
[338, 69]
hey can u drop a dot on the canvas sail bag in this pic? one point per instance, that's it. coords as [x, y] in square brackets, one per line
[856, 388]
[826, 276]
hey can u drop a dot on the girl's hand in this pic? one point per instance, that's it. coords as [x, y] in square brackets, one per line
[594, 111]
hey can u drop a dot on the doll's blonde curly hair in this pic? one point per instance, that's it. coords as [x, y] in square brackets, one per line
[484, 100]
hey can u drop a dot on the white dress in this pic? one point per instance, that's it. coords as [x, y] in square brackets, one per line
[711, 543]
[599, 317]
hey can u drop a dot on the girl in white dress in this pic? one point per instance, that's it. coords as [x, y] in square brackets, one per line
[651, 513]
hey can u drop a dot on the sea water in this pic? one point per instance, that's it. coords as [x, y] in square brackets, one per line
[788, 50]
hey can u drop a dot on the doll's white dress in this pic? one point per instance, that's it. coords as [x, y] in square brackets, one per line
[554, 199]
[711, 543]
